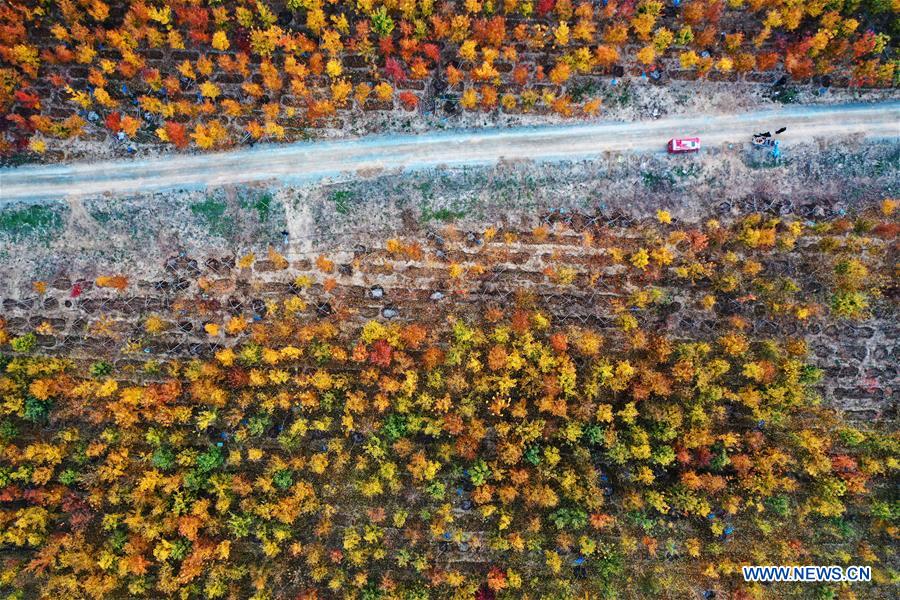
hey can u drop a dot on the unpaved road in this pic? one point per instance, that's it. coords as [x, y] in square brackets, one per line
[312, 161]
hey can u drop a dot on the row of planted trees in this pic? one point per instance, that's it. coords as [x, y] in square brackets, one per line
[292, 64]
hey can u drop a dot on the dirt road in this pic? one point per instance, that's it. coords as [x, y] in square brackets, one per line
[313, 161]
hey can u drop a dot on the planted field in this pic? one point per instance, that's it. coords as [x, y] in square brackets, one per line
[187, 74]
[601, 406]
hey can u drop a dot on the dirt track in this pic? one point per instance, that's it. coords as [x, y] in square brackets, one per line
[312, 161]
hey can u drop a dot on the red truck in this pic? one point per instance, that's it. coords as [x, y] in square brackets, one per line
[682, 145]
